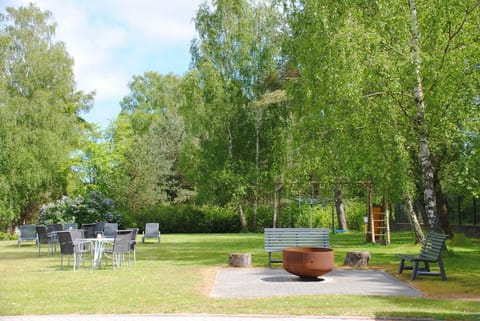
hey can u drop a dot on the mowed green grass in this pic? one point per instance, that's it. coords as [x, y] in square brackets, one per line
[177, 275]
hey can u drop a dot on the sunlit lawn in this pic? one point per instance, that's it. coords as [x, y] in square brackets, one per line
[176, 276]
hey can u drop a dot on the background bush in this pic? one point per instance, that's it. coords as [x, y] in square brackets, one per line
[95, 207]
[89, 208]
[186, 219]
[293, 215]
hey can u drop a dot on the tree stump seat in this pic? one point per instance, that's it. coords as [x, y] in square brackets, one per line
[357, 258]
[240, 259]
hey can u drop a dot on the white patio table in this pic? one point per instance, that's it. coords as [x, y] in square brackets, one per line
[98, 246]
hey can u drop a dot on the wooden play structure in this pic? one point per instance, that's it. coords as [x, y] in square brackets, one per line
[377, 227]
[377, 222]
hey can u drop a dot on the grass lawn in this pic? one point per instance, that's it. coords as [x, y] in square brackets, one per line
[176, 276]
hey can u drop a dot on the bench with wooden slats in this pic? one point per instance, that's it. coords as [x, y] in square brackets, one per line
[276, 239]
[431, 252]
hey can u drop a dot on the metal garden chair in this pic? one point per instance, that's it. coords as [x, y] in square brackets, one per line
[152, 230]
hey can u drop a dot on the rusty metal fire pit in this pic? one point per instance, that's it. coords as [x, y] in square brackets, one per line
[308, 262]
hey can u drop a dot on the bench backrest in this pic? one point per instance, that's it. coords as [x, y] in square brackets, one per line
[276, 239]
[433, 245]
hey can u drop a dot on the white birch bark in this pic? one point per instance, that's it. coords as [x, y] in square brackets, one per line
[412, 217]
[424, 147]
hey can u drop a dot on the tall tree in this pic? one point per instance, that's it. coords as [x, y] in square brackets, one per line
[341, 139]
[148, 135]
[39, 120]
[405, 75]
[234, 59]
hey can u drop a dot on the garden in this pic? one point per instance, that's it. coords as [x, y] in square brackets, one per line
[177, 275]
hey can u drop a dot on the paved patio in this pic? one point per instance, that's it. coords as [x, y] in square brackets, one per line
[267, 282]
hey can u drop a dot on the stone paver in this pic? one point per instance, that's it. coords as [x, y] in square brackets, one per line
[263, 282]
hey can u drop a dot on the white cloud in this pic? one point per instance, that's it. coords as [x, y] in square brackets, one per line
[158, 20]
[113, 40]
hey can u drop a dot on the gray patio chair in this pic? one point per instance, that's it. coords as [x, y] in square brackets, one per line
[79, 235]
[99, 226]
[133, 244]
[110, 230]
[26, 233]
[70, 226]
[89, 230]
[72, 247]
[44, 238]
[152, 230]
[52, 228]
[121, 247]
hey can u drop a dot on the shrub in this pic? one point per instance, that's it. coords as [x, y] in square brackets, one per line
[187, 219]
[89, 208]
[355, 212]
[4, 236]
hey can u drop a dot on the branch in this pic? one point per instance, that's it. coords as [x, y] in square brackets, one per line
[452, 35]
[373, 94]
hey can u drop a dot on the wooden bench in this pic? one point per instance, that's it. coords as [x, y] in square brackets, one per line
[431, 252]
[276, 239]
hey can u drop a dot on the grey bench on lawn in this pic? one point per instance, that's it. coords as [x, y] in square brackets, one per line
[276, 239]
[431, 252]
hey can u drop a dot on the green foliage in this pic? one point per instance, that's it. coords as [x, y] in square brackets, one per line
[92, 164]
[293, 215]
[147, 138]
[7, 236]
[356, 212]
[39, 110]
[186, 219]
[358, 116]
[89, 208]
[57, 212]
[231, 126]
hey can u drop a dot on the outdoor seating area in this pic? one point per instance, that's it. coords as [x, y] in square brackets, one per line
[194, 268]
[88, 246]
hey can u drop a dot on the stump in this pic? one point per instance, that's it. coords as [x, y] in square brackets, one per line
[357, 258]
[240, 259]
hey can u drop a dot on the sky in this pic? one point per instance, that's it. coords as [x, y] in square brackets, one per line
[113, 40]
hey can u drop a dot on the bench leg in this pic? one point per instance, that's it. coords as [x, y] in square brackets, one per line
[415, 269]
[427, 266]
[269, 259]
[402, 265]
[442, 269]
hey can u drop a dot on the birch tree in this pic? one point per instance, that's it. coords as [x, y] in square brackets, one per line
[410, 78]
[39, 113]
[233, 57]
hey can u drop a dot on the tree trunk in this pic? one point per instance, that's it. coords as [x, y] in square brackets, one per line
[442, 209]
[357, 258]
[419, 209]
[257, 174]
[412, 217]
[276, 205]
[240, 259]
[424, 148]
[342, 222]
[243, 221]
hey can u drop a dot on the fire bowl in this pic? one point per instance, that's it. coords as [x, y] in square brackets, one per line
[308, 262]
